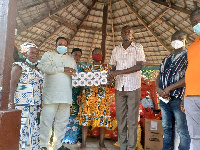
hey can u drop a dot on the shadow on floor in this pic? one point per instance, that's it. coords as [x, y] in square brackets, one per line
[93, 144]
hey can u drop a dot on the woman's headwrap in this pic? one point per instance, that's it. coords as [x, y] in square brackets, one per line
[26, 47]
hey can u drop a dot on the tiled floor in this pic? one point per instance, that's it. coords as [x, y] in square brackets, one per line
[93, 144]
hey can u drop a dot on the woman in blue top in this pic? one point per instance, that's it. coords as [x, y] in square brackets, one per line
[25, 95]
[74, 132]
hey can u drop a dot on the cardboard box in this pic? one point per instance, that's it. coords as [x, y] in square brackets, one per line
[153, 134]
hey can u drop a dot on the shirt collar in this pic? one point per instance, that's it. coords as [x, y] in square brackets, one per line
[132, 44]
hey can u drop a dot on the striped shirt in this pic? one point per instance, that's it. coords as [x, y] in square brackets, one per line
[124, 59]
[172, 69]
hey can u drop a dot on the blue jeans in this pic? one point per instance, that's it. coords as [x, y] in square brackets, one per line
[171, 113]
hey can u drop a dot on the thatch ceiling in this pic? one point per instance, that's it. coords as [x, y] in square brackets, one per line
[80, 21]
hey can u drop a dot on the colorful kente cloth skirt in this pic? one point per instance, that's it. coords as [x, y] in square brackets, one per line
[29, 132]
[95, 109]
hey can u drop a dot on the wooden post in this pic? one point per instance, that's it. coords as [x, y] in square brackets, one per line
[104, 31]
[8, 12]
[9, 119]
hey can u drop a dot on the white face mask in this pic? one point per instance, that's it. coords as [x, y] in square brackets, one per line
[176, 44]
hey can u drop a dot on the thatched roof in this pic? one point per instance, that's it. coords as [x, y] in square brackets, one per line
[80, 21]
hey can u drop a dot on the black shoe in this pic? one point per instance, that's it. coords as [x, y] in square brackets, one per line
[63, 148]
[43, 148]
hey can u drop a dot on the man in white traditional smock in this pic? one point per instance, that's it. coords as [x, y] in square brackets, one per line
[57, 67]
[127, 60]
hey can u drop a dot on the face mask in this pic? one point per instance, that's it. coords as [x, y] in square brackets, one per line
[97, 57]
[31, 63]
[196, 29]
[62, 49]
[176, 44]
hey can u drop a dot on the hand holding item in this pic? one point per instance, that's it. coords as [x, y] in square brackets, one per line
[161, 92]
[182, 106]
[167, 90]
[70, 71]
[115, 73]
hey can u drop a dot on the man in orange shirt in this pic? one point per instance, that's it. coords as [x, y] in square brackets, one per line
[192, 81]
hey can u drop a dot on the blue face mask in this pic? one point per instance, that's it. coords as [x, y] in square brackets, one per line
[196, 29]
[31, 63]
[62, 49]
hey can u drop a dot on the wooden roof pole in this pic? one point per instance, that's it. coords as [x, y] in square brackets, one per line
[78, 27]
[177, 8]
[90, 54]
[8, 13]
[45, 16]
[145, 24]
[104, 31]
[113, 32]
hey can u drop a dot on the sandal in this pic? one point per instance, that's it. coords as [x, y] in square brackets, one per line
[102, 147]
[82, 148]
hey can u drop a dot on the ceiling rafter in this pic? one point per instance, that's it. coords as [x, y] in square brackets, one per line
[151, 12]
[84, 4]
[49, 36]
[96, 9]
[78, 27]
[145, 24]
[90, 53]
[21, 19]
[111, 17]
[177, 8]
[121, 16]
[169, 24]
[63, 22]
[158, 17]
[46, 16]
[91, 28]
[75, 7]
[127, 22]
[73, 15]
[87, 43]
[30, 6]
[144, 6]
[104, 30]
[120, 9]
[27, 10]
[116, 2]
[134, 3]
[48, 32]
[110, 31]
